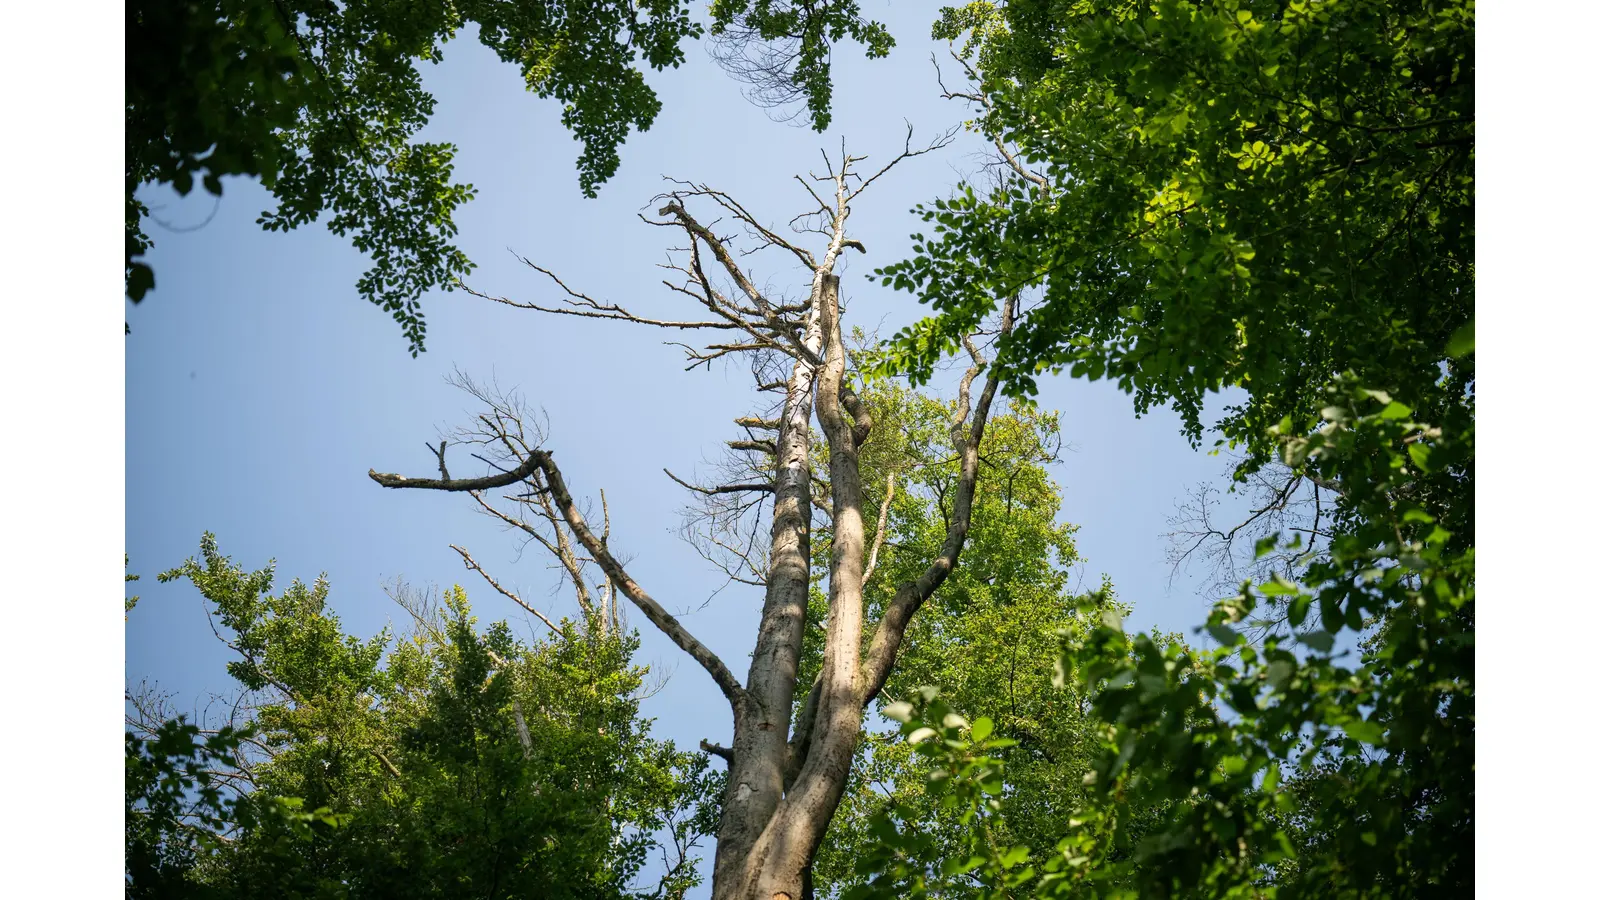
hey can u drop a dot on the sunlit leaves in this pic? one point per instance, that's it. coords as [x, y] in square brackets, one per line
[1243, 193]
[1292, 765]
[458, 761]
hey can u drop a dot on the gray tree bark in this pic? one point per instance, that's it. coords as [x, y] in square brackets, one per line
[786, 773]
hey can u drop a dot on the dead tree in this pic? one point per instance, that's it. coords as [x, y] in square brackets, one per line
[786, 769]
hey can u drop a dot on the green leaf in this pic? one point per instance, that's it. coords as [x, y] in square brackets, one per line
[900, 711]
[1321, 641]
[1298, 608]
[1111, 618]
[982, 728]
[1224, 635]
[141, 279]
[1462, 342]
[1419, 454]
[1395, 410]
[1242, 698]
[1416, 514]
[1332, 613]
[1364, 731]
[1278, 587]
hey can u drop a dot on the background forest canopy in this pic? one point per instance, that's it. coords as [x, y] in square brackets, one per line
[1270, 197]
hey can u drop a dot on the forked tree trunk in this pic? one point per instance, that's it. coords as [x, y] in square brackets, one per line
[777, 864]
[761, 726]
[784, 783]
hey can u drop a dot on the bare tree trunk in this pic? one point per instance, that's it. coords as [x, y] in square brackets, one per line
[782, 856]
[775, 663]
[783, 789]
[761, 730]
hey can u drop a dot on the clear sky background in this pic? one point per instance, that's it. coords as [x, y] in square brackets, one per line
[261, 388]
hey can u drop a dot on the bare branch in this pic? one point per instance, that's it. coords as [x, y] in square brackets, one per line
[737, 209]
[473, 565]
[979, 97]
[586, 306]
[488, 482]
[910, 595]
[804, 727]
[393, 770]
[624, 582]
[859, 412]
[822, 205]
[443, 472]
[766, 447]
[938, 143]
[725, 489]
[719, 249]
[883, 529]
[541, 461]
[523, 736]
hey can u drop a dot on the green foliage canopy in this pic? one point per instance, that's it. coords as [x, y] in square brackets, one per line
[1249, 193]
[1315, 777]
[322, 102]
[1278, 197]
[176, 806]
[987, 638]
[987, 634]
[454, 762]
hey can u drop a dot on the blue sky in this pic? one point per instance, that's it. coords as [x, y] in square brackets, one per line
[260, 388]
